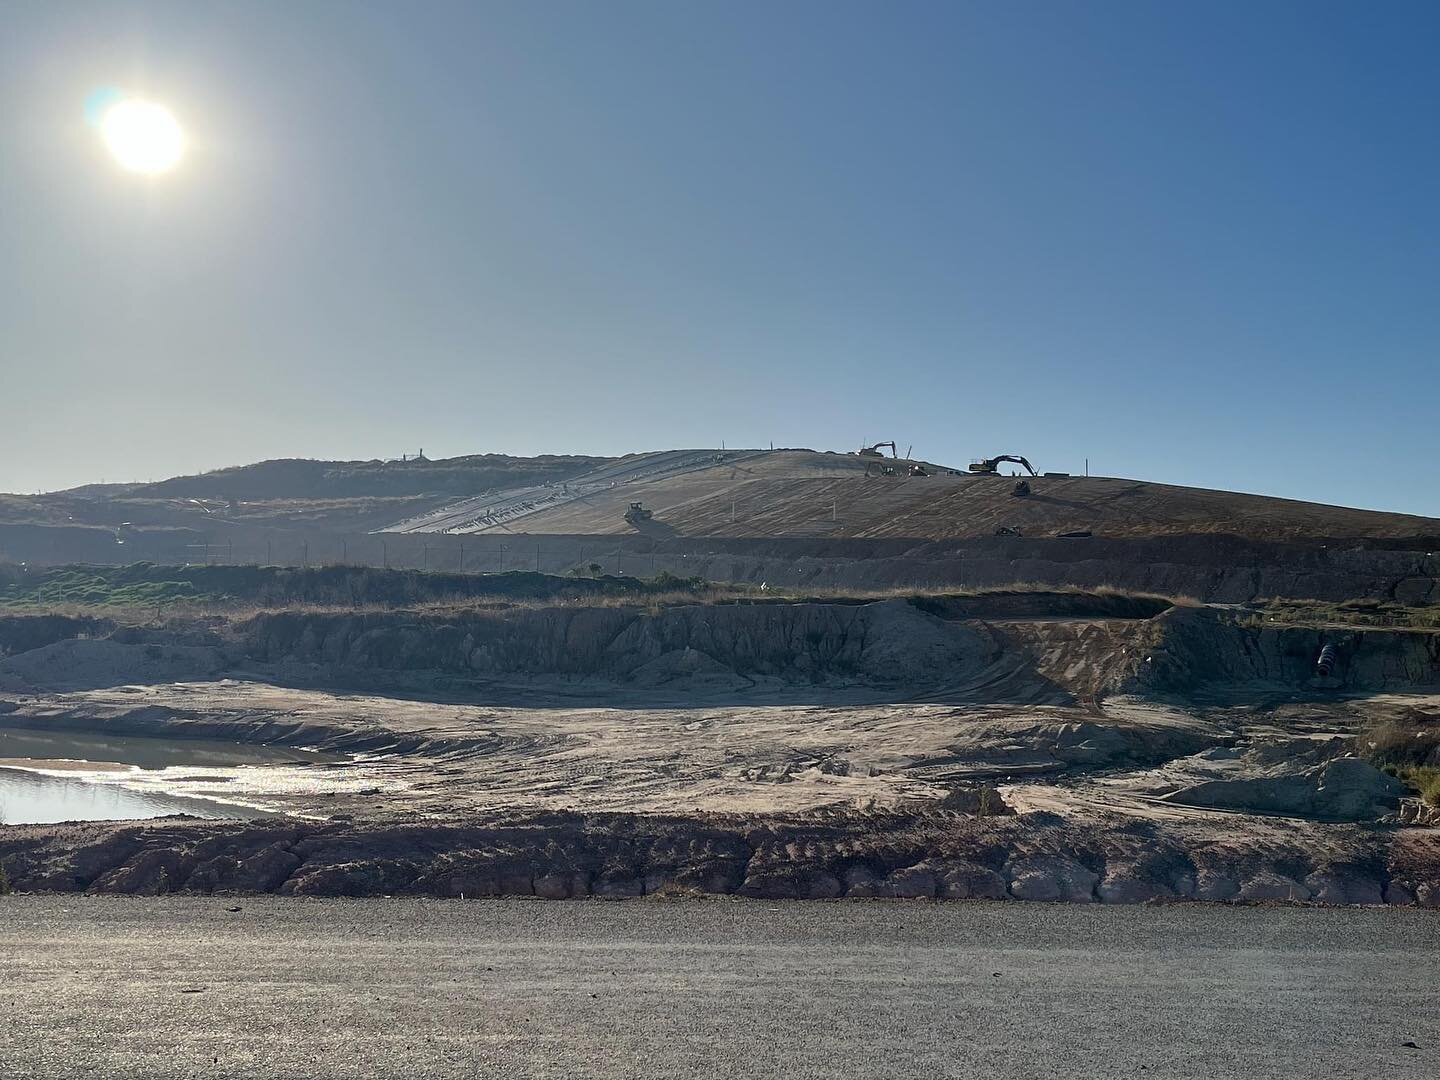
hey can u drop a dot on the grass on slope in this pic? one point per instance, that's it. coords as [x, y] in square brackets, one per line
[143, 585]
[1424, 780]
[146, 587]
[1382, 613]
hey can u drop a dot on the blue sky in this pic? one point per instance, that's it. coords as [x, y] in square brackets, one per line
[1194, 243]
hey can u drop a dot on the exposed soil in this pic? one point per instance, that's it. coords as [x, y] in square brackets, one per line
[777, 749]
[560, 855]
[792, 517]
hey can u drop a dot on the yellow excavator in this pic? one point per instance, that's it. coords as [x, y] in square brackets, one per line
[990, 466]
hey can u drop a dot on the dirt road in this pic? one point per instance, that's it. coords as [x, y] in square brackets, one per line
[185, 988]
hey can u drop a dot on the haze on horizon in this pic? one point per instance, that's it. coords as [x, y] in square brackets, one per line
[1195, 245]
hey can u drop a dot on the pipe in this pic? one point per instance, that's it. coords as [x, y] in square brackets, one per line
[1325, 662]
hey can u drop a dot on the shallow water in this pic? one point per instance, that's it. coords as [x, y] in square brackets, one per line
[49, 776]
[29, 798]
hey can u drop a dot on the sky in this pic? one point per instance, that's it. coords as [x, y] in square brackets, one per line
[1191, 243]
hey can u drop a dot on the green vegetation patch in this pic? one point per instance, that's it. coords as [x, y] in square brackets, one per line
[1424, 780]
[148, 585]
[73, 586]
[1383, 613]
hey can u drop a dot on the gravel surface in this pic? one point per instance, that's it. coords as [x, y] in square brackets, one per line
[171, 987]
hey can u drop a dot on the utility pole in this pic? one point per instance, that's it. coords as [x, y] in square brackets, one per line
[385, 553]
[306, 551]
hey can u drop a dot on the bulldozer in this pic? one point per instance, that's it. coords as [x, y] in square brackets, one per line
[990, 466]
[638, 514]
[874, 451]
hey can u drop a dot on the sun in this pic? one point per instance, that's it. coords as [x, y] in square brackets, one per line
[142, 136]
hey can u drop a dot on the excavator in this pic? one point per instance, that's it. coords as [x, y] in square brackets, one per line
[874, 451]
[989, 466]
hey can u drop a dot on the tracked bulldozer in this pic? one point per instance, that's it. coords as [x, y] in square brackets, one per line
[637, 514]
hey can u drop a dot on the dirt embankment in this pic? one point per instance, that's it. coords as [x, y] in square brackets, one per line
[23, 633]
[1223, 651]
[1022, 648]
[901, 854]
[1212, 568]
[883, 642]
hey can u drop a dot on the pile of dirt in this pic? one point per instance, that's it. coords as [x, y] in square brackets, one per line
[1287, 777]
[903, 855]
[21, 633]
[84, 662]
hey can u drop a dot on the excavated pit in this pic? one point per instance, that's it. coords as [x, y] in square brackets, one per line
[593, 716]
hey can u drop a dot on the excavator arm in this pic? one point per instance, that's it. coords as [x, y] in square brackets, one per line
[874, 451]
[989, 465]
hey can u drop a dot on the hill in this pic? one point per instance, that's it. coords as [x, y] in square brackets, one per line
[802, 493]
[800, 517]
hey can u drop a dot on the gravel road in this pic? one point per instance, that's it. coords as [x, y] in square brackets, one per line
[172, 987]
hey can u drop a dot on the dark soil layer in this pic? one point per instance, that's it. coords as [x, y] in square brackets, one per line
[817, 856]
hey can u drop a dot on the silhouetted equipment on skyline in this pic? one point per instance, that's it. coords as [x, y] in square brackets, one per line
[990, 466]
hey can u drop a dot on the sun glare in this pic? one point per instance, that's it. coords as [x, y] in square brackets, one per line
[142, 136]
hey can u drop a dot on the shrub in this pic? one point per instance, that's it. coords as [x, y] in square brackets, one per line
[1424, 779]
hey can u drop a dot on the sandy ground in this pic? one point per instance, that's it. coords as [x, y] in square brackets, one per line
[380, 988]
[439, 759]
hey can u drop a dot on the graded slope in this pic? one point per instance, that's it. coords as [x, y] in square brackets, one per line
[805, 494]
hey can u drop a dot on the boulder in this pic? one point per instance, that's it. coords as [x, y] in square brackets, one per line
[265, 871]
[959, 879]
[152, 874]
[1398, 894]
[790, 883]
[715, 876]
[1216, 887]
[562, 885]
[1131, 887]
[1343, 887]
[619, 885]
[910, 882]
[1270, 886]
[1051, 877]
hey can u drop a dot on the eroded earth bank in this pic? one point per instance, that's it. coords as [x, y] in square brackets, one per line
[1015, 744]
